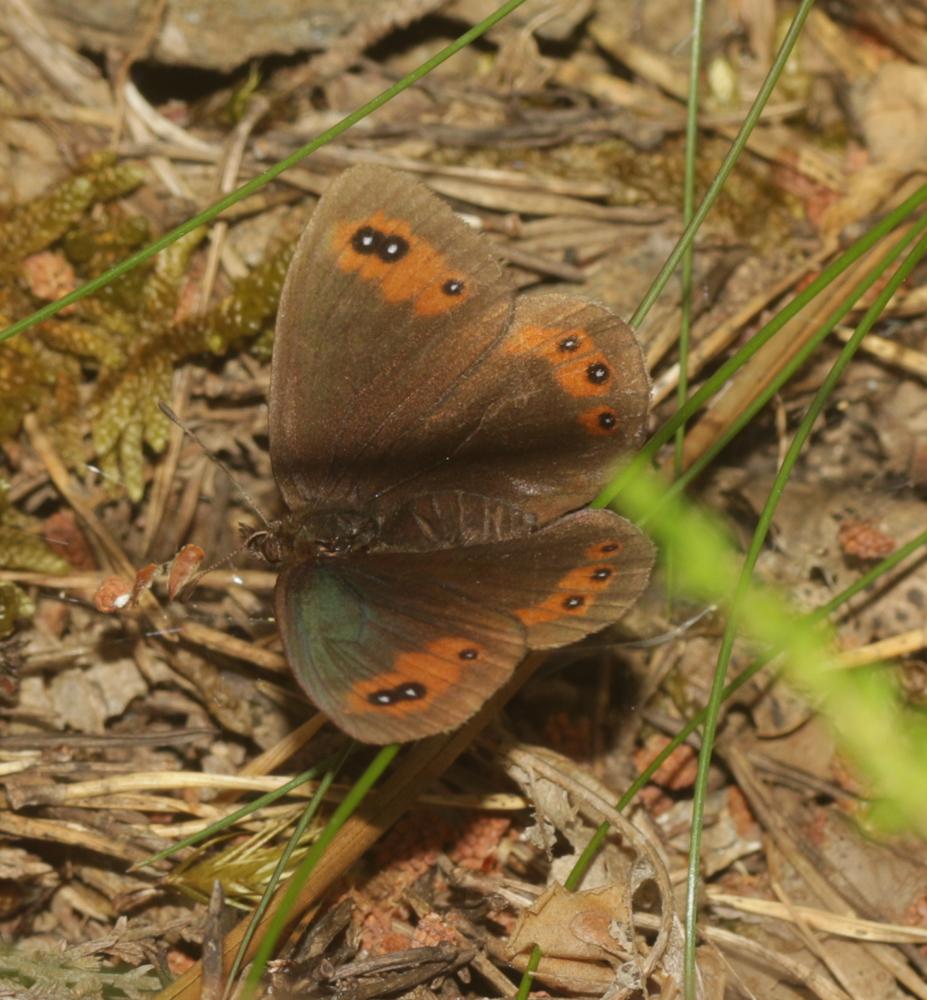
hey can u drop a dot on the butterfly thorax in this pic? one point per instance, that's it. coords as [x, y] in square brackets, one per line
[429, 522]
[316, 534]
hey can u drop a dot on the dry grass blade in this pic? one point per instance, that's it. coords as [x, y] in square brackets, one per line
[830, 923]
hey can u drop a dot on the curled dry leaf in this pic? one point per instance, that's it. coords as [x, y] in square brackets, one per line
[184, 565]
[115, 593]
[575, 925]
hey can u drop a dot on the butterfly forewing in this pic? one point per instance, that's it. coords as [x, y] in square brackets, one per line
[390, 301]
[411, 372]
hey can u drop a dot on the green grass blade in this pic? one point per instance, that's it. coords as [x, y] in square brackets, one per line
[688, 211]
[867, 579]
[744, 582]
[305, 819]
[709, 573]
[874, 275]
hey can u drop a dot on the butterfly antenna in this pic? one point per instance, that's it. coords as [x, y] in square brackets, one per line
[242, 492]
[194, 580]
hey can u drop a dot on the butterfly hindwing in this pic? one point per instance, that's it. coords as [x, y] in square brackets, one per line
[385, 652]
[402, 645]
[570, 578]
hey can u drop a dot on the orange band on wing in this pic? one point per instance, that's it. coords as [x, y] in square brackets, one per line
[577, 590]
[574, 360]
[557, 344]
[605, 550]
[407, 268]
[571, 599]
[417, 678]
[582, 378]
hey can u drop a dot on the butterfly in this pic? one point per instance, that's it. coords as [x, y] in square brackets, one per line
[434, 439]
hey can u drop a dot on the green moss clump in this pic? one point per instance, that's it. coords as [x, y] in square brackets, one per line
[22, 545]
[15, 606]
[125, 413]
[127, 339]
[40, 222]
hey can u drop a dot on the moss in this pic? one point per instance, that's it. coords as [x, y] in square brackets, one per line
[127, 338]
[125, 413]
[40, 222]
[22, 544]
[15, 606]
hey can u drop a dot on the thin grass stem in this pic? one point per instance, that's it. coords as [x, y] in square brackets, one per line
[737, 147]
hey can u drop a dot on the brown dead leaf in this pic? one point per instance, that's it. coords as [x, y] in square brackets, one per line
[893, 111]
[581, 925]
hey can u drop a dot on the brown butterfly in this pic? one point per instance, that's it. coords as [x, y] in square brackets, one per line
[431, 436]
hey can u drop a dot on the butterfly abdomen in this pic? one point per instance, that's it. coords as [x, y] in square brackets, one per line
[453, 519]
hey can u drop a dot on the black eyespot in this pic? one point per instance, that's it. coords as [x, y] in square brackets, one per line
[575, 601]
[402, 692]
[610, 547]
[367, 240]
[393, 248]
[468, 654]
[453, 286]
[570, 344]
[597, 372]
[607, 420]
[601, 574]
